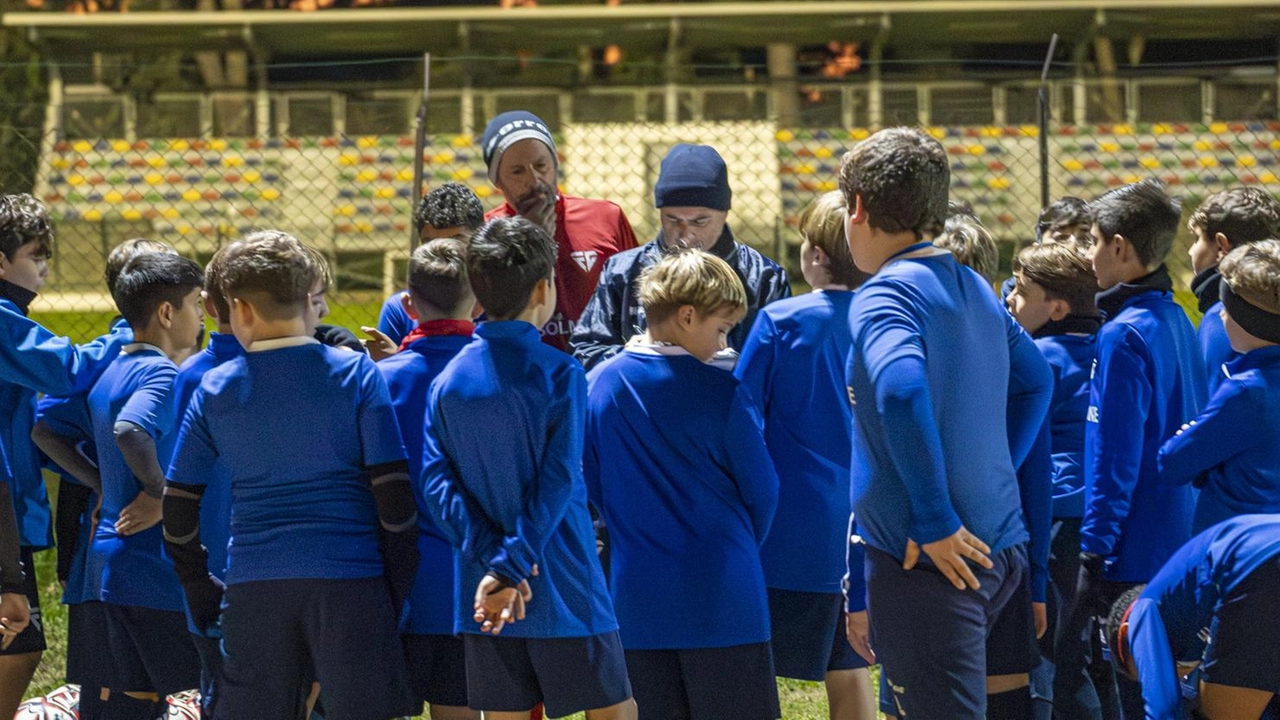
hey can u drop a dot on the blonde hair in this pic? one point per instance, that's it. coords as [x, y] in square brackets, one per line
[1253, 272]
[1063, 270]
[822, 224]
[690, 277]
[972, 245]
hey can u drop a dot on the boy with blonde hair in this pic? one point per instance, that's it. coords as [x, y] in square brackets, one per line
[677, 463]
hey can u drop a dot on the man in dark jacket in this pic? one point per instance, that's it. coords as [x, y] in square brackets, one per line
[693, 196]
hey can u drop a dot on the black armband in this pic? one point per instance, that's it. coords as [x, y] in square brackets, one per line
[393, 492]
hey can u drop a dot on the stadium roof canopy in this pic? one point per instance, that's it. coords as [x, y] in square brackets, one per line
[462, 30]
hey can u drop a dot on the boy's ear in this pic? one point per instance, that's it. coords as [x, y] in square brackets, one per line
[164, 313]
[858, 214]
[1223, 245]
[1059, 309]
[686, 315]
[406, 302]
[209, 308]
[820, 256]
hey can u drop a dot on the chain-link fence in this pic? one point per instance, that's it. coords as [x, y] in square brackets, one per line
[200, 169]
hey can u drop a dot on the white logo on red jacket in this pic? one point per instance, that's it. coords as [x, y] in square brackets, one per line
[586, 259]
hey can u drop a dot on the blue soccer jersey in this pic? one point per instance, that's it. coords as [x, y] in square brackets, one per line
[1168, 621]
[393, 320]
[793, 365]
[297, 423]
[215, 504]
[502, 472]
[409, 374]
[677, 463]
[69, 417]
[137, 388]
[1233, 447]
[1147, 381]
[938, 365]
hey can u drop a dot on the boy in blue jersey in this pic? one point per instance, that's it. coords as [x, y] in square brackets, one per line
[64, 433]
[1147, 381]
[32, 360]
[215, 506]
[1223, 221]
[323, 520]
[1204, 626]
[513, 502]
[1052, 299]
[442, 303]
[1231, 451]
[131, 410]
[804, 556]
[677, 463]
[954, 629]
[449, 211]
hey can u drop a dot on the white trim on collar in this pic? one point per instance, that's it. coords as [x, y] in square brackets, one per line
[284, 342]
[135, 347]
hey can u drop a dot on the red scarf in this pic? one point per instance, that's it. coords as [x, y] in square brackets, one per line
[438, 327]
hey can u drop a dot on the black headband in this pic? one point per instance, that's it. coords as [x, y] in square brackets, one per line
[1253, 319]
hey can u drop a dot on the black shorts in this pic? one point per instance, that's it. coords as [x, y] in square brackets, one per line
[30, 640]
[151, 650]
[88, 645]
[728, 682]
[567, 675]
[1244, 644]
[437, 667]
[809, 636]
[938, 644]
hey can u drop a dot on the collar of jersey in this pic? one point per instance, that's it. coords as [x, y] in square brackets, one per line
[514, 329]
[137, 347]
[654, 347]
[223, 345]
[278, 343]
[1261, 357]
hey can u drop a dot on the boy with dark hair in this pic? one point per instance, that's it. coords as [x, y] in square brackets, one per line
[515, 507]
[323, 519]
[441, 301]
[64, 433]
[811, 453]
[131, 410]
[1053, 301]
[1231, 451]
[1207, 616]
[677, 464]
[926, 476]
[1147, 380]
[1224, 221]
[32, 360]
[1065, 220]
[215, 506]
[451, 210]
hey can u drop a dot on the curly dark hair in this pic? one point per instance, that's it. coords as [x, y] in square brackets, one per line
[450, 205]
[24, 219]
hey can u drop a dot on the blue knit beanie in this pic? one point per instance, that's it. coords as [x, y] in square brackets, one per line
[508, 129]
[693, 176]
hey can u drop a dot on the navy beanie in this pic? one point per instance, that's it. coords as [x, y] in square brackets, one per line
[693, 176]
[506, 130]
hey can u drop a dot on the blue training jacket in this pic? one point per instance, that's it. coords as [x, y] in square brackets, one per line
[1234, 445]
[1148, 379]
[1071, 360]
[1179, 604]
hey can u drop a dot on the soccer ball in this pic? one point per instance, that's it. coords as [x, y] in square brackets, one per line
[183, 706]
[61, 704]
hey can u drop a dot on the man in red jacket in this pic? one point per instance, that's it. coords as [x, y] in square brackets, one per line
[521, 155]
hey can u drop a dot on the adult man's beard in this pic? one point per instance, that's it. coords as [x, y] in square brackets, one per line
[538, 206]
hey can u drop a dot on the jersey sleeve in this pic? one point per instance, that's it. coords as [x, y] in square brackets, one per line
[35, 358]
[195, 455]
[755, 366]
[67, 416]
[393, 321]
[1030, 391]
[380, 441]
[893, 352]
[1153, 658]
[1121, 388]
[626, 237]
[747, 458]
[152, 406]
[1229, 425]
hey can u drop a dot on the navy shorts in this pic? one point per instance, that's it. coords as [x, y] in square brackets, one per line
[151, 650]
[437, 667]
[88, 645]
[279, 635]
[30, 640]
[938, 644]
[809, 636]
[729, 682]
[567, 675]
[1244, 645]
